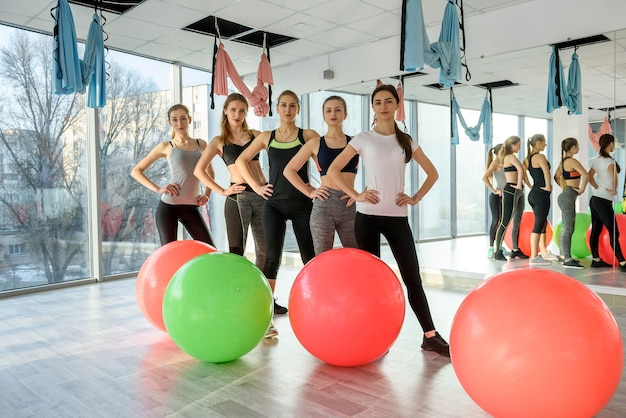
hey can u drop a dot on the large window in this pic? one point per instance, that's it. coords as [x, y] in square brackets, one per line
[43, 178]
[434, 136]
[133, 121]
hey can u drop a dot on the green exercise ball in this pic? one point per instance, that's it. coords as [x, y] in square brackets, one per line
[217, 307]
[579, 247]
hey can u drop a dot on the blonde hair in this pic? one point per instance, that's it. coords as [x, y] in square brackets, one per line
[530, 144]
[507, 147]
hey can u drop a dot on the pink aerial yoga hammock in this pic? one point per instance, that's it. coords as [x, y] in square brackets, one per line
[224, 67]
[594, 137]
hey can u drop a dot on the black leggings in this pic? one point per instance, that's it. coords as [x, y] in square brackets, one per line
[168, 216]
[510, 199]
[495, 205]
[397, 231]
[603, 215]
[539, 200]
[275, 215]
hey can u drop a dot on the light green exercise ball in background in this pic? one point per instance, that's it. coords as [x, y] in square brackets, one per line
[579, 247]
[217, 307]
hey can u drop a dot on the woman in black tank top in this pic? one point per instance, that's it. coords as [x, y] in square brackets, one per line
[242, 207]
[283, 202]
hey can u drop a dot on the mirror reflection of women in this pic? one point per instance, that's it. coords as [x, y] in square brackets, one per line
[243, 208]
[181, 197]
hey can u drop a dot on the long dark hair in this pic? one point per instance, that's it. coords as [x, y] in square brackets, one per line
[604, 141]
[404, 140]
[227, 134]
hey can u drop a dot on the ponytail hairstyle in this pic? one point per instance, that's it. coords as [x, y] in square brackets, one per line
[604, 141]
[492, 154]
[404, 139]
[227, 134]
[530, 144]
[566, 145]
[174, 108]
[507, 147]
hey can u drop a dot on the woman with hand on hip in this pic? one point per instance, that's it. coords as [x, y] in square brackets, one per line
[332, 210]
[283, 202]
[181, 198]
[514, 173]
[243, 208]
[382, 207]
[603, 178]
[539, 198]
[573, 178]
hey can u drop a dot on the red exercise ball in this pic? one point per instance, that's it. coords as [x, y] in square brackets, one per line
[530, 343]
[346, 307]
[525, 228]
[157, 271]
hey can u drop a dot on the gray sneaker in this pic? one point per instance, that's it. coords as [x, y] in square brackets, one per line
[539, 261]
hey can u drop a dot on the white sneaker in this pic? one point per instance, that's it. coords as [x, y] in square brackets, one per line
[271, 331]
[539, 261]
[549, 256]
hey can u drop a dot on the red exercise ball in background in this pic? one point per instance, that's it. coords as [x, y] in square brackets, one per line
[346, 307]
[531, 343]
[604, 243]
[525, 228]
[157, 271]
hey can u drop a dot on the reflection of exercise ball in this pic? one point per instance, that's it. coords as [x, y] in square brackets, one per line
[536, 343]
[218, 307]
[604, 244]
[579, 246]
[346, 307]
[525, 228]
[157, 271]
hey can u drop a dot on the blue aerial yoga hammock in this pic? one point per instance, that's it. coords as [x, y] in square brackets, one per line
[416, 50]
[71, 74]
[560, 93]
[484, 120]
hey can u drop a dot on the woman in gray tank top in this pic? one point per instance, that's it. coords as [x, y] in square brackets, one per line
[182, 197]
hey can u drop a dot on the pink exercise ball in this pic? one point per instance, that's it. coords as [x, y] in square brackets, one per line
[346, 307]
[530, 343]
[157, 271]
[604, 243]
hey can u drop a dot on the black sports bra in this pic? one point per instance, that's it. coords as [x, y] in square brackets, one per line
[230, 152]
[510, 169]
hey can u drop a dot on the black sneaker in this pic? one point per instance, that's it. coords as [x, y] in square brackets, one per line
[572, 264]
[436, 344]
[279, 310]
[518, 254]
[498, 255]
[622, 268]
[600, 263]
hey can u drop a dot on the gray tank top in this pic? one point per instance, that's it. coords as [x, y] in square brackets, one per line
[181, 164]
[500, 179]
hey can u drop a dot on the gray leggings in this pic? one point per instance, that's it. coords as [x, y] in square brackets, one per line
[240, 211]
[567, 203]
[328, 216]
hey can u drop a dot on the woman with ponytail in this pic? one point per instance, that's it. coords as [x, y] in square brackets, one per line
[603, 178]
[382, 205]
[573, 178]
[539, 198]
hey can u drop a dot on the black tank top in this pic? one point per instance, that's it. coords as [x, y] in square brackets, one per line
[279, 154]
[326, 155]
[230, 152]
[536, 173]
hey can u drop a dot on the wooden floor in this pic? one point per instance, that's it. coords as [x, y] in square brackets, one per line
[88, 351]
